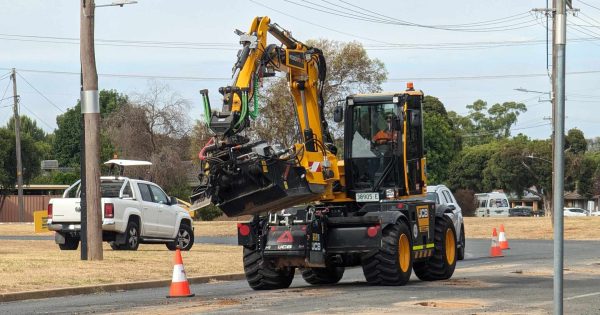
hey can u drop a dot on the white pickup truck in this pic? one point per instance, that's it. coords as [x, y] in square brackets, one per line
[133, 212]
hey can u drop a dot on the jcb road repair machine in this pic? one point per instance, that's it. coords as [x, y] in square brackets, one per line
[311, 210]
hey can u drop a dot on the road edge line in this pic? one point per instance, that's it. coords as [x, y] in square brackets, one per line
[113, 287]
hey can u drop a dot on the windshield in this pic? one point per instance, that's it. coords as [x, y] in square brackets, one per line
[373, 140]
[432, 196]
[372, 126]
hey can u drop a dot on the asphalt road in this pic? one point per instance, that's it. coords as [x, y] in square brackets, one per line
[519, 283]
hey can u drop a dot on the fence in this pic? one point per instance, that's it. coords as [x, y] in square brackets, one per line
[9, 207]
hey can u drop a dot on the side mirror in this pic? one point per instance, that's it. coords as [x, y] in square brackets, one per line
[450, 208]
[172, 201]
[338, 114]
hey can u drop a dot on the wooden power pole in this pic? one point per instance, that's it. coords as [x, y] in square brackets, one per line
[90, 109]
[18, 146]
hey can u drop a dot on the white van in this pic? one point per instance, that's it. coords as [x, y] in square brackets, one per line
[494, 204]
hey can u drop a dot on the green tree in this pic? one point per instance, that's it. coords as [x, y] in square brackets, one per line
[442, 140]
[30, 158]
[349, 70]
[575, 141]
[483, 124]
[467, 168]
[66, 146]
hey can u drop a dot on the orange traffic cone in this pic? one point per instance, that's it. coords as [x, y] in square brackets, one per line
[495, 250]
[180, 286]
[502, 238]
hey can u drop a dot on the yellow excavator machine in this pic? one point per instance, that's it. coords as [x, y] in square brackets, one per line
[310, 210]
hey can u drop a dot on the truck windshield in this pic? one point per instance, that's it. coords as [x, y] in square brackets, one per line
[373, 140]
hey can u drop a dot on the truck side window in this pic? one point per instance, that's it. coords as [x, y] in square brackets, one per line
[146, 196]
[159, 195]
[127, 190]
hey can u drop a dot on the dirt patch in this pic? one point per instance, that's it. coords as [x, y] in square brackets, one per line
[486, 267]
[193, 306]
[445, 304]
[463, 282]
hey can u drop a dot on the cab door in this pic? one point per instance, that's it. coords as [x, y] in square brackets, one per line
[166, 212]
[149, 211]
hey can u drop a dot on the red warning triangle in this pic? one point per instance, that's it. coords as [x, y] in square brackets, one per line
[286, 237]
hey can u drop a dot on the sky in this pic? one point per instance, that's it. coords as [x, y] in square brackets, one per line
[456, 51]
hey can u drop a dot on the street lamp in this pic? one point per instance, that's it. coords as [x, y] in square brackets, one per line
[120, 3]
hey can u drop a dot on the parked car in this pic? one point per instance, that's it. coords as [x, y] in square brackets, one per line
[575, 212]
[133, 212]
[520, 212]
[446, 202]
[493, 204]
[595, 214]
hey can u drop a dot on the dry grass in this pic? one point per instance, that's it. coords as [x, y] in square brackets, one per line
[576, 228]
[213, 228]
[36, 265]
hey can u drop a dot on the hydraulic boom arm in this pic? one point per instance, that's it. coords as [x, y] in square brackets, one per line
[244, 177]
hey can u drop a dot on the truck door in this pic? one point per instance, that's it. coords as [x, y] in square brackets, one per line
[149, 211]
[166, 213]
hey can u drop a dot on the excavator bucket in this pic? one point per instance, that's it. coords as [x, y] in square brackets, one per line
[259, 186]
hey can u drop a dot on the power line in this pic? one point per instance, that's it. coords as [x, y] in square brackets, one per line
[191, 78]
[4, 94]
[36, 116]
[134, 76]
[394, 21]
[589, 5]
[40, 93]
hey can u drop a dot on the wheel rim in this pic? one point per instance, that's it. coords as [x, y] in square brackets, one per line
[183, 238]
[403, 253]
[133, 239]
[450, 246]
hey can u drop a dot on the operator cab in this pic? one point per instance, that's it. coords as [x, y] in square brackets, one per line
[383, 137]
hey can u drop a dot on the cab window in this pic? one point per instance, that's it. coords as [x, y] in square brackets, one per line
[159, 195]
[145, 192]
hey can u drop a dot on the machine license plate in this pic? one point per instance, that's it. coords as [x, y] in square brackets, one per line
[366, 197]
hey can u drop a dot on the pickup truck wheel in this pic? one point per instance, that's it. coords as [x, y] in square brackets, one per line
[115, 246]
[185, 238]
[132, 240]
[71, 243]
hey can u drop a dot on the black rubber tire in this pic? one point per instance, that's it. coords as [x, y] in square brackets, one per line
[185, 238]
[460, 252]
[115, 246]
[437, 266]
[262, 277]
[71, 243]
[132, 236]
[320, 276]
[382, 267]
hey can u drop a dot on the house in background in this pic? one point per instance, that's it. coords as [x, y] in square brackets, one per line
[527, 200]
